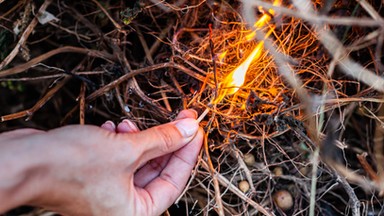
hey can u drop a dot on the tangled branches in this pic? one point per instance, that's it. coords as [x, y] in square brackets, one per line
[318, 77]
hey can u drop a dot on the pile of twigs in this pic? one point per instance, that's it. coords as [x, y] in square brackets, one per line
[305, 127]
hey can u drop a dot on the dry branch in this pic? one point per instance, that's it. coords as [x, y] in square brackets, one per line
[313, 18]
[25, 35]
[173, 56]
[67, 49]
[29, 112]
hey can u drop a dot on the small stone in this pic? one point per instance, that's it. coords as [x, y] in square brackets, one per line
[283, 199]
[244, 186]
[278, 171]
[249, 159]
[304, 171]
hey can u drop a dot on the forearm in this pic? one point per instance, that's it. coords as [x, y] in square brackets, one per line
[21, 171]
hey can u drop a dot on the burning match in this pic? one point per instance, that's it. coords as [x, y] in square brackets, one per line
[235, 79]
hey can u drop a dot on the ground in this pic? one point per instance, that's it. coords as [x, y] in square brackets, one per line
[304, 126]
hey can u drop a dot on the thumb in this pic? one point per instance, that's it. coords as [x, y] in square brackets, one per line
[164, 139]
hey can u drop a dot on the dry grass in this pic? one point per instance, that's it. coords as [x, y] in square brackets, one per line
[309, 111]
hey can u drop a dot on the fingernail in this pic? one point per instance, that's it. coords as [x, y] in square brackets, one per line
[187, 127]
[130, 126]
[194, 112]
[187, 114]
[109, 125]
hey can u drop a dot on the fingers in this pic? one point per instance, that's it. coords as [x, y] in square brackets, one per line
[109, 126]
[153, 168]
[189, 113]
[164, 139]
[150, 170]
[127, 126]
[174, 176]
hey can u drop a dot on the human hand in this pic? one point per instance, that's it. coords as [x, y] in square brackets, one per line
[90, 171]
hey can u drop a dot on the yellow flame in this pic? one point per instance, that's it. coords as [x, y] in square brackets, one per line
[234, 80]
[265, 19]
[221, 56]
[275, 3]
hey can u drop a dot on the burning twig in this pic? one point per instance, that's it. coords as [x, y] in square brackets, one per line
[236, 78]
[287, 72]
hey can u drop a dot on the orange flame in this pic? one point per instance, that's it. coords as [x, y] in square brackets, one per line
[264, 20]
[222, 56]
[234, 80]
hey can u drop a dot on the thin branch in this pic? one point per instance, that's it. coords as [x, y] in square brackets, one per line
[66, 49]
[24, 37]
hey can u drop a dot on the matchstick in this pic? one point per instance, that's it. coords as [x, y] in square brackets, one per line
[206, 111]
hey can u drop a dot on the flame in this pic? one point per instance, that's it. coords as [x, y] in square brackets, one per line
[222, 56]
[234, 80]
[264, 20]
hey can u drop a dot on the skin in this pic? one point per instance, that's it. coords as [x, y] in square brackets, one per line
[107, 170]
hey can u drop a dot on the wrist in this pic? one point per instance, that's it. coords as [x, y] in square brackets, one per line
[22, 170]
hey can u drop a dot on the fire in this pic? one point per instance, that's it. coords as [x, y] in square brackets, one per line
[264, 20]
[222, 56]
[234, 80]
